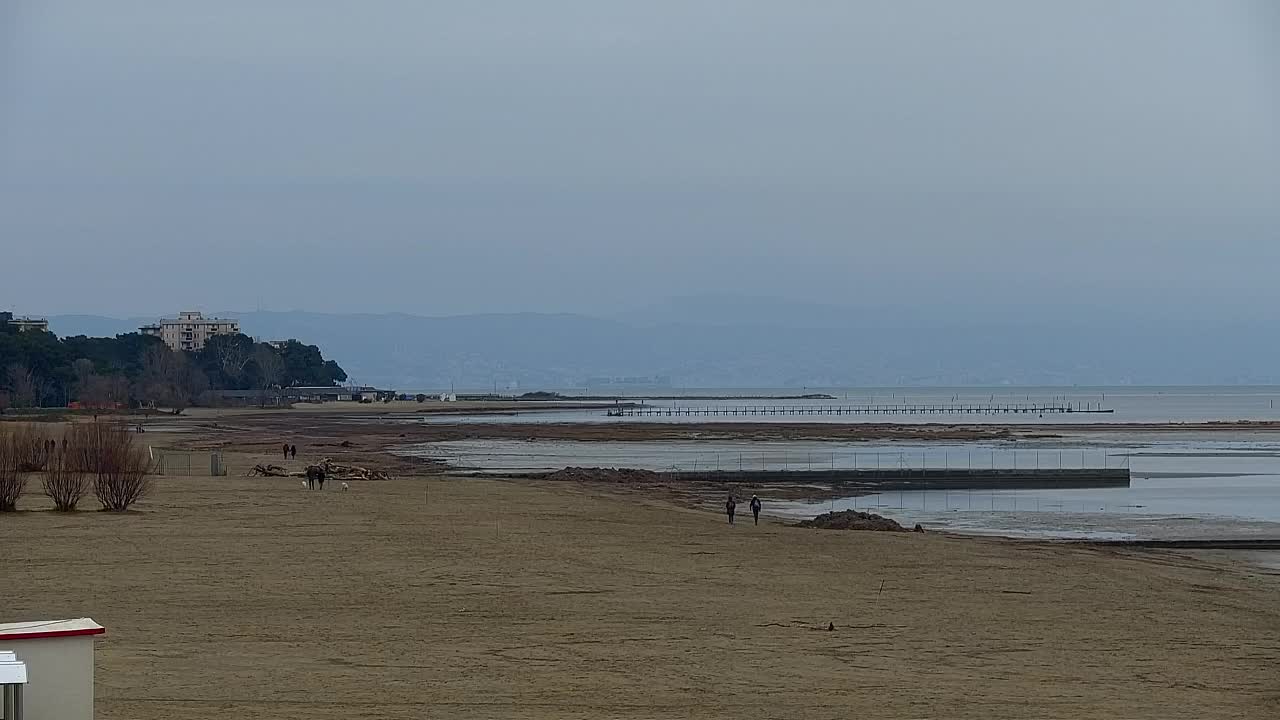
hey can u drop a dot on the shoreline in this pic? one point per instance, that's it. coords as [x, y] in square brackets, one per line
[382, 441]
[409, 429]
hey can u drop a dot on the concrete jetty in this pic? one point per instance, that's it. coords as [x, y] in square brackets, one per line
[905, 479]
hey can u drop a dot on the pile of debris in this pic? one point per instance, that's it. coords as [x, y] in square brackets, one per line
[261, 470]
[335, 471]
[854, 520]
[332, 470]
[615, 475]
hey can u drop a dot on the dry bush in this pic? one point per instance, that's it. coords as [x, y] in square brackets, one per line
[12, 481]
[65, 477]
[32, 443]
[83, 443]
[118, 465]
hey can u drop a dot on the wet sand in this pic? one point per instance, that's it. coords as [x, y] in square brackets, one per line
[438, 597]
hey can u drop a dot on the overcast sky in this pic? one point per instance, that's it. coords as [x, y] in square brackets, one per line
[593, 156]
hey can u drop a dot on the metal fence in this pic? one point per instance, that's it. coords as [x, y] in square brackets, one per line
[1077, 500]
[904, 460]
[187, 464]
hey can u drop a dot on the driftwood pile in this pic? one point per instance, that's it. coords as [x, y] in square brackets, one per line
[333, 471]
[261, 470]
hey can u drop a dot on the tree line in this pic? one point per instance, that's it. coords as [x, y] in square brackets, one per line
[39, 369]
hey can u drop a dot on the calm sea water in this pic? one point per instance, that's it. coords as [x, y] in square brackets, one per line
[1193, 486]
[1144, 405]
[1186, 484]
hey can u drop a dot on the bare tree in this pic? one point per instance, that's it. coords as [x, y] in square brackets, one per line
[189, 381]
[270, 369]
[120, 468]
[24, 387]
[115, 388]
[169, 378]
[12, 482]
[65, 476]
[234, 354]
[83, 369]
[31, 443]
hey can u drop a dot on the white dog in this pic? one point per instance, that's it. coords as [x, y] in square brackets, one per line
[345, 487]
[304, 485]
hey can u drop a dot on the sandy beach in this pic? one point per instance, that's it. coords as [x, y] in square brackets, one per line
[429, 596]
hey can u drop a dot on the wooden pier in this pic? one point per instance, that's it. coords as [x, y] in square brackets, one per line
[886, 409]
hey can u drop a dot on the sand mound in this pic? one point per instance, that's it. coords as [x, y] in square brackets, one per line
[853, 520]
[620, 475]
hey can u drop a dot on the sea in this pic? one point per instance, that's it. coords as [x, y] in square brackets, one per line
[1190, 483]
[1127, 404]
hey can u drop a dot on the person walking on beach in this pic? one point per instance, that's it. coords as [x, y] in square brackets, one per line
[729, 506]
[755, 507]
[286, 451]
[293, 450]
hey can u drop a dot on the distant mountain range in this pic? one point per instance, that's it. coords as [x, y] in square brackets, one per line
[745, 342]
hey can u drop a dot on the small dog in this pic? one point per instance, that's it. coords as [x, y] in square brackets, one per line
[304, 485]
[345, 487]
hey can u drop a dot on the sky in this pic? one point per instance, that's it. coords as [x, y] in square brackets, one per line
[1064, 160]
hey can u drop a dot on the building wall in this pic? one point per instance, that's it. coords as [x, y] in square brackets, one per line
[191, 330]
[59, 677]
[25, 324]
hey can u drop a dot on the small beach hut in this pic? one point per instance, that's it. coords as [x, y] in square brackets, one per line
[57, 656]
[13, 676]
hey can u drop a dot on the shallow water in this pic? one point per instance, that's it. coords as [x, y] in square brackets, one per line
[1189, 486]
[1246, 497]
[1184, 484]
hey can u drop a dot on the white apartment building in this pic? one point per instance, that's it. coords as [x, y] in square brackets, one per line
[29, 323]
[190, 330]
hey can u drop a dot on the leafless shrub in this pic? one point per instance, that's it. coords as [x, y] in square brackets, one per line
[33, 446]
[65, 478]
[12, 481]
[119, 467]
[23, 385]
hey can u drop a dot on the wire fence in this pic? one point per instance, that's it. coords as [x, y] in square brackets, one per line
[969, 460]
[187, 464]
[1082, 500]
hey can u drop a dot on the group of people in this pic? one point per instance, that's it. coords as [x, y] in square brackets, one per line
[731, 506]
[290, 451]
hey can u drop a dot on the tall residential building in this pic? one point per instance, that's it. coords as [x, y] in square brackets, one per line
[190, 331]
[24, 323]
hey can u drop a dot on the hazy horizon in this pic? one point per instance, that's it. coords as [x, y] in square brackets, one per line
[733, 342]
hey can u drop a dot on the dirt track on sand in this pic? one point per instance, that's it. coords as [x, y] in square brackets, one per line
[413, 598]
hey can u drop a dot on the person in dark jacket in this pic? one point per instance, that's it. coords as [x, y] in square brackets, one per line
[293, 450]
[286, 451]
[729, 506]
[315, 477]
[755, 507]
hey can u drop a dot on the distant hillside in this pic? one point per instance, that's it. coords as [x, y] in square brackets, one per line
[534, 351]
[94, 325]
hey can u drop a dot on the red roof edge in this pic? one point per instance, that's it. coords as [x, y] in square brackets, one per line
[51, 634]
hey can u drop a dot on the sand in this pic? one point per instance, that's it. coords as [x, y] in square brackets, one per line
[435, 597]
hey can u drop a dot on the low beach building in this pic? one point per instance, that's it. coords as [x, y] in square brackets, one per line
[337, 393]
[58, 659]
